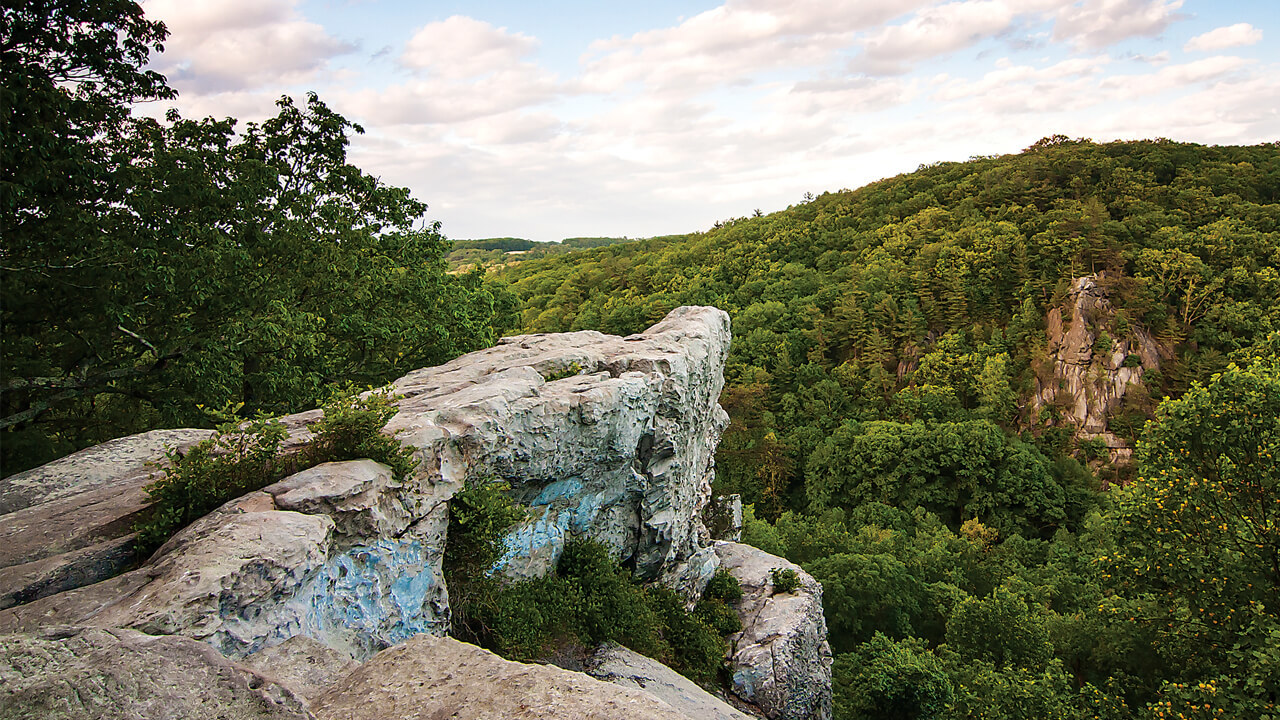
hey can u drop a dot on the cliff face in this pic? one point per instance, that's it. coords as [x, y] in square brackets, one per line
[599, 436]
[1094, 359]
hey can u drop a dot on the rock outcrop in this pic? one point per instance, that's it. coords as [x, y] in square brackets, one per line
[101, 674]
[598, 436]
[781, 661]
[70, 523]
[428, 677]
[1093, 362]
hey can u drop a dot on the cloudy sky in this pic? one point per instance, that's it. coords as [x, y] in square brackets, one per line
[564, 119]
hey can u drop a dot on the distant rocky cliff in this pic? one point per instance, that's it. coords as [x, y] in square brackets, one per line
[599, 436]
[1094, 359]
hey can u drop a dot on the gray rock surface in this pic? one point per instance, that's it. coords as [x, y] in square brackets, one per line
[359, 495]
[99, 674]
[105, 465]
[620, 666]
[780, 661]
[70, 522]
[599, 436]
[427, 678]
[1089, 386]
[723, 517]
[301, 664]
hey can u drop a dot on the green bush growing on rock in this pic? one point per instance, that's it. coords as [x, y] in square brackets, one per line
[589, 600]
[785, 580]
[232, 462]
[241, 458]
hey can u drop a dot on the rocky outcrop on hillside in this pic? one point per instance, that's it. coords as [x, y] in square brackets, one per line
[1094, 359]
[781, 661]
[598, 436]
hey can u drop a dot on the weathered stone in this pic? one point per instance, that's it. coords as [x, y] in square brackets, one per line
[105, 465]
[780, 661]
[723, 517]
[620, 666]
[98, 674]
[620, 452]
[427, 678]
[1087, 386]
[51, 575]
[301, 664]
[360, 495]
[70, 522]
[230, 578]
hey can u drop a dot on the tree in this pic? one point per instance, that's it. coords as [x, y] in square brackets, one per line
[891, 679]
[183, 263]
[1198, 536]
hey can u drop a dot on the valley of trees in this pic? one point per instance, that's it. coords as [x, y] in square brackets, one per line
[981, 558]
[888, 345]
[466, 255]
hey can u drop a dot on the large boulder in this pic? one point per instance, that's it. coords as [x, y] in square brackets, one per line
[781, 661]
[618, 665]
[99, 674]
[70, 522]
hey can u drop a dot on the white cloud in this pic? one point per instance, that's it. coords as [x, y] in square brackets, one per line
[463, 70]
[1095, 24]
[237, 45]
[935, 31]
[1173, 77]
[462, 47]
[1237, 35]
[735, 43]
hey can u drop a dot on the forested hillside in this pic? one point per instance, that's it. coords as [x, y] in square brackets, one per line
[498, 252]
[932, 381]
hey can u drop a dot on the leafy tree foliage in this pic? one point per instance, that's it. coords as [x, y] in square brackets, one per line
[150, 267]
[924, 297]
[1198, 540]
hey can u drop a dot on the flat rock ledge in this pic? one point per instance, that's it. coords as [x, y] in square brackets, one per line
[621, 666]
[427, 678]
[76, 673]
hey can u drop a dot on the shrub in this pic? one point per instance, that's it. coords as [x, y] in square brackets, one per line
[242, 457]
[784, 580]
[892, 679]
[479, 517]
[227, 465]
[589, 600]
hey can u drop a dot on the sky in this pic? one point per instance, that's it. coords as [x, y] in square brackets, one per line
[633, 119]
